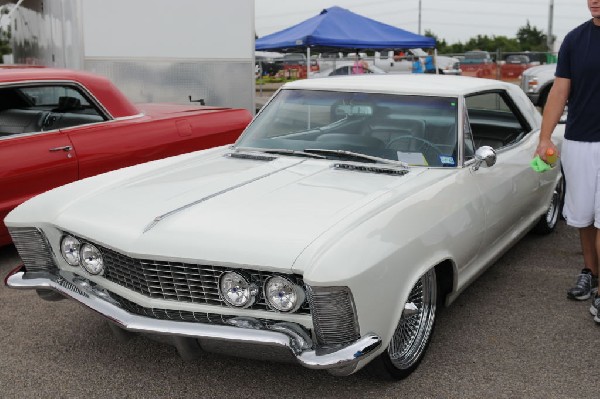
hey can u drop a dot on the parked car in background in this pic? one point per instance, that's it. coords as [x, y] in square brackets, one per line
[294, 65]
[348, 68]
[537, 81]
[478, 64]
[58, 126]
[513, 66]
[268, 63]
[393, 63]
[330, 234]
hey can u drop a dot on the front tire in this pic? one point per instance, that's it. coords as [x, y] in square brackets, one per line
[413, 332]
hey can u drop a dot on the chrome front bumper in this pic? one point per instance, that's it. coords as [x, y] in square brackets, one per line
[341, 361]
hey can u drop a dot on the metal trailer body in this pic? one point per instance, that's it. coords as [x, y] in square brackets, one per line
[154, 51]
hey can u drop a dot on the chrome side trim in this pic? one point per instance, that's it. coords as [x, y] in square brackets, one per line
[344, 359]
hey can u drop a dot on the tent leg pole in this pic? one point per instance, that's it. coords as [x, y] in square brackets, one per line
[307, 62]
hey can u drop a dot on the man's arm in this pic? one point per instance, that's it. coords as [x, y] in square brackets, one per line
[555, 106]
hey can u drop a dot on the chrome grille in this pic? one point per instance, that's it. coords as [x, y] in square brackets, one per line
[178, 315]
[170, 314]
[179, 281]
[334, 315]
[33, 248]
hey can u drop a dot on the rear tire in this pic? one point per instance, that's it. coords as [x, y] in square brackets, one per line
[413, 333]
[549, 220]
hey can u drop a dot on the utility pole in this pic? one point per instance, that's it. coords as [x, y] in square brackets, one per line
[419, 17]
[550, 36]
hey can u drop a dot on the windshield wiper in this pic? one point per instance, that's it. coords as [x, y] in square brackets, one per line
[282, 151]
[350, 155]
[298, 153]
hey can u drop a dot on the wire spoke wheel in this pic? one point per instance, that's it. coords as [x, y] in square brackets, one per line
[553, 210]
[549, 220]
[415, 327]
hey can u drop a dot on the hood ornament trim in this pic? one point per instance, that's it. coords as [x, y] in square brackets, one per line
[159, 218]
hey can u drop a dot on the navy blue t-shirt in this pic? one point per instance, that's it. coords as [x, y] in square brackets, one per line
[579, 61]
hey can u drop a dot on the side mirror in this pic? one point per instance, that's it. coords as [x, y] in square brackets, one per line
[484, 154]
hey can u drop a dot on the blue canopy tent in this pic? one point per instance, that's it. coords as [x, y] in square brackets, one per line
[336, 28]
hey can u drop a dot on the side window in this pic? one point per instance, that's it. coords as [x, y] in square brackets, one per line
[494, 121]
[31, 109]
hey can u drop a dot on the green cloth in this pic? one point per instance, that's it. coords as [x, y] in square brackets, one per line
[538, 165]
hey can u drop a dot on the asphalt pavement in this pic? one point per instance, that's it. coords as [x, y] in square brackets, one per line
[511, 334]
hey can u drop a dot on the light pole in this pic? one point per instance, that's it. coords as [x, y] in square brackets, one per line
[419, 17]
[549, 37]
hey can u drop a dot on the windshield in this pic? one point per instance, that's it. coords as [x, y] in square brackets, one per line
[417, 130]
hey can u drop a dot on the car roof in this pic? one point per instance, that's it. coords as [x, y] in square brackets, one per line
[414, 84]
[28, 73]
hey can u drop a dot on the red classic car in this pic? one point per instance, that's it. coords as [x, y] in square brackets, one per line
[514, 66]
[479, 64]
[58, 126]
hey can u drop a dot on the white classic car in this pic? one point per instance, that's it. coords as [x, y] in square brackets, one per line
[330, 233]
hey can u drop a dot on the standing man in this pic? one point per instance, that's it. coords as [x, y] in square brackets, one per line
[417, 65]
[578, 82]
[429, 63]
[360, 66]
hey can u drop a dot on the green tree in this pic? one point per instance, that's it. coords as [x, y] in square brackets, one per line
[528, 38]
[440, 44]
[532, 39]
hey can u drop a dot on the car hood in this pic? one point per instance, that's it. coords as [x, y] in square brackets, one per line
[211, 207]
[545, 69]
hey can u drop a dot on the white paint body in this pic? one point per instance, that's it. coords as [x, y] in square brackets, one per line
[374, 233]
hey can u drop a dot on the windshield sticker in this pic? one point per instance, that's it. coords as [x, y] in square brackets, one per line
[412, 158]
[447, 160]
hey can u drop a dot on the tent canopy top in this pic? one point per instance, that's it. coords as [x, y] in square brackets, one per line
[337, 28]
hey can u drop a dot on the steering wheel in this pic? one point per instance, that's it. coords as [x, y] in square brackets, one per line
[425, 146]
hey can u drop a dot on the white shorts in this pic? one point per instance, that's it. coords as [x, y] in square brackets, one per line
[581, 166]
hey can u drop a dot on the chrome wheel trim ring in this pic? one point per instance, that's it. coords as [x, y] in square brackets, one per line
[554, 209]
[412, 334]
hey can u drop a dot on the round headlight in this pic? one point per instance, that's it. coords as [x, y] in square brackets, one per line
[283, 295]
[69, 248]
[236, 290]
[91, 259]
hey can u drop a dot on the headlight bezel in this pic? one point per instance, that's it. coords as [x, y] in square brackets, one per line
[250, 287]
[75, 253]
[93, 265]
[297, 291]
[88, 265]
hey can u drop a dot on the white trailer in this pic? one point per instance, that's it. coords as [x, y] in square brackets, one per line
[153, 50]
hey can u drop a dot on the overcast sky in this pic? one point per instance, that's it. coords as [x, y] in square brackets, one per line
[451, 20]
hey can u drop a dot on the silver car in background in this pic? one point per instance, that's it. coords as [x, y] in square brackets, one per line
[537, 81]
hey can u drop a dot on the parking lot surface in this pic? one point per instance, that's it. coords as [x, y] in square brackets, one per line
[512, 334]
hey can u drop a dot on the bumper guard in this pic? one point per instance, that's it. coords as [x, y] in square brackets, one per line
[340, 361]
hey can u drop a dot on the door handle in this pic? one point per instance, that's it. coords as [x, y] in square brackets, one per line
[66, 148]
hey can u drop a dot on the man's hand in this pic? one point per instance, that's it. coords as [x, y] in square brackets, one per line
[543, 146]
